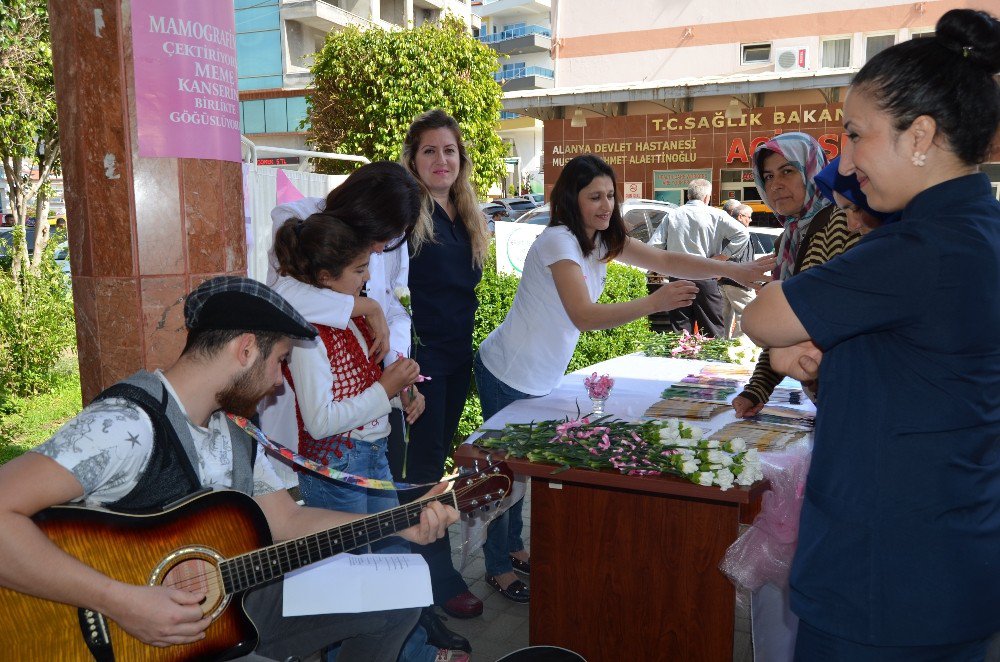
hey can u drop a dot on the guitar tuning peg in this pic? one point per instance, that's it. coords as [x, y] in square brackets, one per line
[475, 466]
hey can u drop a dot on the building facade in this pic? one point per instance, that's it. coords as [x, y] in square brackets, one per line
[520, 31]
[275, 43]
[667, 92]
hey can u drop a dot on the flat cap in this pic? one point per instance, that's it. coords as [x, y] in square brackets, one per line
[232, 303]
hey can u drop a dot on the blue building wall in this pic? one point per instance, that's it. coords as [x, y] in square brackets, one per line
[259, 67]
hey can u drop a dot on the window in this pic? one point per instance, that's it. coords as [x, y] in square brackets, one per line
[924, 34]
[756, 53]
[875, 44]
[837, 52]
[636, 224]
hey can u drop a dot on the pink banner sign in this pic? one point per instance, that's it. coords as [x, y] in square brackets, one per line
[286, 191]
[187, 101]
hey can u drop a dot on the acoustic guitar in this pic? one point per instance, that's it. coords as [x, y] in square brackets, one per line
[215, 542]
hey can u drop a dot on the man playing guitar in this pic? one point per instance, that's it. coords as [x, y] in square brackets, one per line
[114, 454]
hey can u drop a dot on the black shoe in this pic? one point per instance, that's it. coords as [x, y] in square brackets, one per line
[517, 591]
[524, 567]
[439, 635]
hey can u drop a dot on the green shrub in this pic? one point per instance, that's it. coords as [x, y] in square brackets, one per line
[37, 328]
[28, 421]
[496, 294]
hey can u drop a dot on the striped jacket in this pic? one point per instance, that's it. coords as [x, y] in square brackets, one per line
[828, 237]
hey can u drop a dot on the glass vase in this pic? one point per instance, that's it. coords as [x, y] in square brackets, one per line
[597, 407]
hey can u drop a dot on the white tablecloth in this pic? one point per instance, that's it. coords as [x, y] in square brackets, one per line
[639, 381]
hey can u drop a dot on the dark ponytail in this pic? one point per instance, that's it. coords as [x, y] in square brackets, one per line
[305, 249]
[949, 77]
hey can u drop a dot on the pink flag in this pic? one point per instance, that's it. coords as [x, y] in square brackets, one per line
[286, 189]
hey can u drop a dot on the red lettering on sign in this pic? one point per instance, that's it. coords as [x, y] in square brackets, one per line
[829, 143]
[737, 151]
[757, 142]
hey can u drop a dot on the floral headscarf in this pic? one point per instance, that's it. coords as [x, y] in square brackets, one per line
[804, 153]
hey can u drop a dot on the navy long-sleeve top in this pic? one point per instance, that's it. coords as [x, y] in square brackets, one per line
[442, 285]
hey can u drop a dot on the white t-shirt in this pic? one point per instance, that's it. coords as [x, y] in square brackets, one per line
[533, 346]
[108, 444]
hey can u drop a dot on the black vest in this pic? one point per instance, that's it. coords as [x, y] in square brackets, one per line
[169, 475]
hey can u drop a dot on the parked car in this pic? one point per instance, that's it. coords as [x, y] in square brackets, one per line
[537, 198]
[513, 206]
[641, 217]
[7, 239]
[763, 240]
[61, 256]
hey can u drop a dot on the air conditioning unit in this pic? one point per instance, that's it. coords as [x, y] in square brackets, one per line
[791, 58]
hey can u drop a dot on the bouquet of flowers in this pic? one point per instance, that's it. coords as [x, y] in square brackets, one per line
[598, 388]
[648, 448]
[687, 345]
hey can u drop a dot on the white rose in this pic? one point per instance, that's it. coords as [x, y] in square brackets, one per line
[689, 467]
[737, 444]
[401, 291]
[697, 432]
[724, 479]
[705, 478]
[669, 434]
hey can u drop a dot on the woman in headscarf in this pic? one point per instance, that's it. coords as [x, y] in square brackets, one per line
[815, 231]
[845, 192]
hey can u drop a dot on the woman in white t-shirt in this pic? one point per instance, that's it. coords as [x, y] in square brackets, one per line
[564, 274]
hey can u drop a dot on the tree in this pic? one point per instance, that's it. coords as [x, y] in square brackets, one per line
[29, 133]
[369, 85]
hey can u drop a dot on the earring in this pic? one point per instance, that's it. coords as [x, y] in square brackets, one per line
[918, 159]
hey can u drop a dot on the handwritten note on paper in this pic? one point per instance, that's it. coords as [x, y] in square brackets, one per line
[351, 584]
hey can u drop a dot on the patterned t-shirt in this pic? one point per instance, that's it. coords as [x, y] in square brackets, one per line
[109, 443]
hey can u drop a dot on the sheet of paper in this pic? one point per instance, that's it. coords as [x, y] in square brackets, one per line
[351, 584]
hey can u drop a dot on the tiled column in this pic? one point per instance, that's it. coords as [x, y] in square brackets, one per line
[143, 231]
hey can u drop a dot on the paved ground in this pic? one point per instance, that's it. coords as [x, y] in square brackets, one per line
[503, 627]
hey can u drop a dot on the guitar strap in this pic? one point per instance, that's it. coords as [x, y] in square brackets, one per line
[289, 456]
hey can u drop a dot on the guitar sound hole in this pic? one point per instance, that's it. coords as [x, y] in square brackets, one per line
[197, 575]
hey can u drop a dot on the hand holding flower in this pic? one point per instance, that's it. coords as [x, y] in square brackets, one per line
[399, 375]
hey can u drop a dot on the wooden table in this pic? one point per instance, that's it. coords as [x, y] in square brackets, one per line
[626, 567]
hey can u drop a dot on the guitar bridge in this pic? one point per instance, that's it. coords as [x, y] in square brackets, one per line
[94, 629]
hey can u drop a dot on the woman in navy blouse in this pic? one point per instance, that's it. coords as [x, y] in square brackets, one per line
[447, 249]
[899, 542]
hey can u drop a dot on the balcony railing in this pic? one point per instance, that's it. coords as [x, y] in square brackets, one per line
[514, 33]
[522, 72]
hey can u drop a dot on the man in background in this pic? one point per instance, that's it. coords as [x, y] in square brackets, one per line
[735, 296]
[696, 228]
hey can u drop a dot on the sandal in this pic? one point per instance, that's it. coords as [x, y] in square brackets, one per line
[516, 591]
[524, 567]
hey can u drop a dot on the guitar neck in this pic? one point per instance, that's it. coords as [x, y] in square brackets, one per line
[243, 572]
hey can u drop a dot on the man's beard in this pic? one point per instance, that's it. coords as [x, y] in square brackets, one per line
[245, 392]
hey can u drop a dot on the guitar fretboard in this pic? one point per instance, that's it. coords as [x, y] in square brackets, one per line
[243, 572]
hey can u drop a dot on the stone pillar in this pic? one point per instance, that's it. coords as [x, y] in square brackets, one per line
[143, 231]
